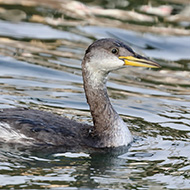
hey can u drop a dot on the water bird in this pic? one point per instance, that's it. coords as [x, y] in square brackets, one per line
[30, 127]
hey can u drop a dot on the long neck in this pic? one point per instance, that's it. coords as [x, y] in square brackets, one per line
[102, 112]
[108, 126]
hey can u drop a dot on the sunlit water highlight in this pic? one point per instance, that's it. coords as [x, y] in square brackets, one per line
[40, 69]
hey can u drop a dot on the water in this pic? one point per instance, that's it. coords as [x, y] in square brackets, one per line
[41, 48]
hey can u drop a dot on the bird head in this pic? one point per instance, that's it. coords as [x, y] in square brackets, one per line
[110, 54]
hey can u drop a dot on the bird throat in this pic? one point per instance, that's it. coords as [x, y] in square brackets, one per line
[109, 129]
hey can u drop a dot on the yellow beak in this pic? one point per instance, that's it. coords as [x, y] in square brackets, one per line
[139, 61]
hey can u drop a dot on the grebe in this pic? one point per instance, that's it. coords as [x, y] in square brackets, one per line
[36, 128]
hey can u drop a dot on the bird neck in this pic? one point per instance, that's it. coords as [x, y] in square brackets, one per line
[109, 129]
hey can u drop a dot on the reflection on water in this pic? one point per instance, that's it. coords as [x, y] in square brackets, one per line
[173, 48]
[41, 47]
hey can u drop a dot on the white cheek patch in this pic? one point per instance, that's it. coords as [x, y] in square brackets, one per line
[10, 135]
[106, 61]
[100, 65]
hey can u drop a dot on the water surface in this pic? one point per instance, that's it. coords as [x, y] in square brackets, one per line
[41, 48]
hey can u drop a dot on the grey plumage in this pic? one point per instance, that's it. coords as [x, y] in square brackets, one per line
[39, 128]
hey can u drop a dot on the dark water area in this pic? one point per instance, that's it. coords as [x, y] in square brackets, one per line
[42, 44]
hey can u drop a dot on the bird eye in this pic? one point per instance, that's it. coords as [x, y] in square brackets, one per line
[114, 50]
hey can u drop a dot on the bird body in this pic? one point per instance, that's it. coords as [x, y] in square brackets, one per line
[37, 128]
